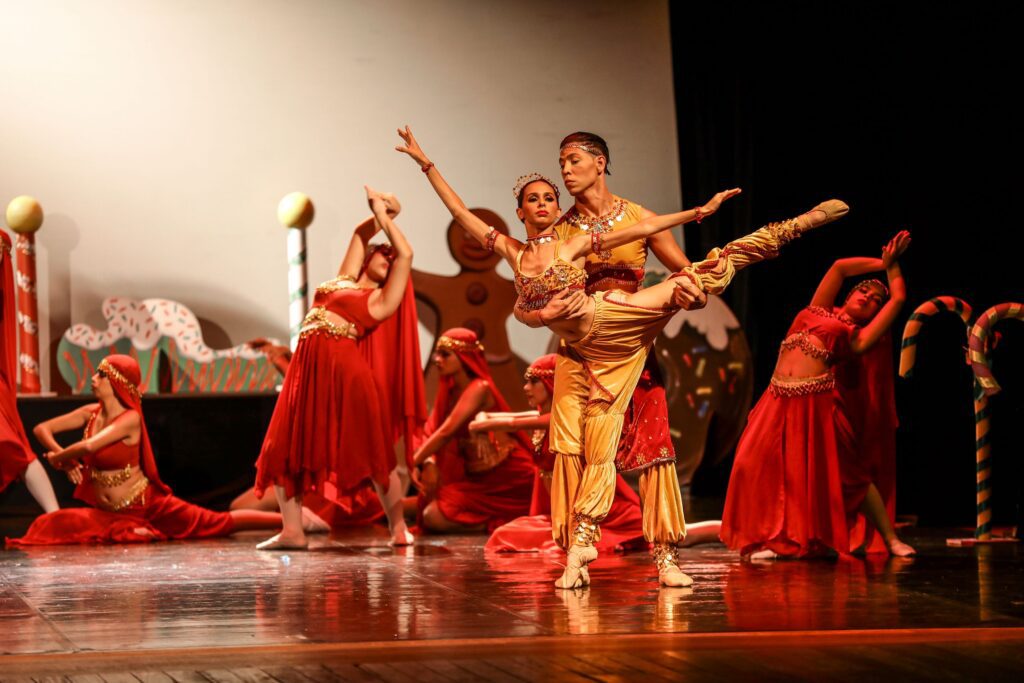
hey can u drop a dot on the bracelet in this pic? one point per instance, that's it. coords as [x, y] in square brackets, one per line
[700, 214]
[427, 166]
[492, 237]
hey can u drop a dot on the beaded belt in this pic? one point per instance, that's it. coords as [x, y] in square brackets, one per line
[115, 478]
[316, 322]
[136, 494]
[785, 387]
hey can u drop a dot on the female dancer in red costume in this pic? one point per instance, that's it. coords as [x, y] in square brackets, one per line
[329, 426]
[611, 334]
[622, 528]
[798, 478]
[476, 488]
[16, 458]
[116, 474]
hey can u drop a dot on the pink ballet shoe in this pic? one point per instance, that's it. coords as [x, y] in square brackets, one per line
[401, 537]
[900, 549]
[834, 209]
[666, 559]
[277, 543]
[761, 556]
[576, 574]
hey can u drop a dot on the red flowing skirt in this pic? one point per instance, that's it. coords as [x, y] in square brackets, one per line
[622, 529]
[646, 439]
[15, 453]
[786, 489]
[161, 517]
[328, 425]
[494, 497]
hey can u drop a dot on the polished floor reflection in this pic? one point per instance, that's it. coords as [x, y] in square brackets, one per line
[354, 588]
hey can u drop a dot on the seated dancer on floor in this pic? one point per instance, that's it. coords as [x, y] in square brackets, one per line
[16, 458]
[116, 473]
[614, 330]
[467, 484]
[330, 424]
[393, 353]
[798, 477]
[623, 527]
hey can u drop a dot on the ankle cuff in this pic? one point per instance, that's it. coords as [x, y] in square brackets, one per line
[666, 556]
[585, 531]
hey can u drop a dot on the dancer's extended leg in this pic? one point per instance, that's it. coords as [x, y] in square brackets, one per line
[39, 486]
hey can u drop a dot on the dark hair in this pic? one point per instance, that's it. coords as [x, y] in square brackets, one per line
[590, 140]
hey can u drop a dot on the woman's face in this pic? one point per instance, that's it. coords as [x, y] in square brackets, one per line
[447, 362]
[863, 304]
[101, 385]
[536, 393]
[580, 169]
[539, 208]
[378, 267]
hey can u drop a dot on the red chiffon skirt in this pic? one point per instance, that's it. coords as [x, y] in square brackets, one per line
[160, 518]
[15, 453]
[786, 489]
[494, 497]
[622, 529]
[328, 425]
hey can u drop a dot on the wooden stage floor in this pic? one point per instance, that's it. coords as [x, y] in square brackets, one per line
[354, 609]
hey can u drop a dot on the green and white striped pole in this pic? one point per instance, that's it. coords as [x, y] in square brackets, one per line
[295, 212]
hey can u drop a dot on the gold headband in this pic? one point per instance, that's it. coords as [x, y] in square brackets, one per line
[458, 345]
[533, 373]
[115, 376]
[524, 180]
[585, 146]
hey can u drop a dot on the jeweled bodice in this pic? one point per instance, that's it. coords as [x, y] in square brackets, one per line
[537, 290]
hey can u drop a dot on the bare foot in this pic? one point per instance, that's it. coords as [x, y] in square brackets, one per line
[577, 560]
[900, 549]
[762, 555]
[282, 542]
[401, 535]
[143, 531]
[312, 523]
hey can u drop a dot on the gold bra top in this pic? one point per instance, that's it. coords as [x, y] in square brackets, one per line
[535, 291]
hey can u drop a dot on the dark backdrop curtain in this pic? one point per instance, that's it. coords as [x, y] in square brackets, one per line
[905, 112]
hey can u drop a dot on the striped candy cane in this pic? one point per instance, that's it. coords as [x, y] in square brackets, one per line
[295, 212]
[985, 385]
[25, 217]
[908, 351]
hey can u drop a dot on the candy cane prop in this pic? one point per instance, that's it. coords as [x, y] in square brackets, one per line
[295, 212]
[908, 350]
[985, 385]
[25, 217]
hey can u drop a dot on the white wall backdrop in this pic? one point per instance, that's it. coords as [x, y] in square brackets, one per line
[159, 135]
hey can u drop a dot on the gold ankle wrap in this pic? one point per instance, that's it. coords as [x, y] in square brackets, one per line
[665, 556]
[784, 231]
[585, 531]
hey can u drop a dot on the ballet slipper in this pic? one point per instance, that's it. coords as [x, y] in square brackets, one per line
[401, 536]
[833, 209]
[673, 577]
[666, 559]
[577, 560]
[900, 549]
[312, 523]
[761, 555]
[276, 542]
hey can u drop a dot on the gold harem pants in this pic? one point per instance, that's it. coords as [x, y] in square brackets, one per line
[594, 382]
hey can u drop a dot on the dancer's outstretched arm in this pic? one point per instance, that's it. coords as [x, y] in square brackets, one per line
[385, 302]
[868, 335]
[505, 246]
[582, 245]
[509, 422]
[828, 288]
[364, 232]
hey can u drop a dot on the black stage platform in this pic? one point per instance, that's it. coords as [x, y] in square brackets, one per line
[353, 608]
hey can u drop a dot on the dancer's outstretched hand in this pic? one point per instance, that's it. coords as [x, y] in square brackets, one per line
[716, 201]
[387, 201]
[411, 147]
[895, 248]
[688, 295]
[568, 304]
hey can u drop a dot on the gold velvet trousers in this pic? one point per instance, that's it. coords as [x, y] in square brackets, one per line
[594, 382]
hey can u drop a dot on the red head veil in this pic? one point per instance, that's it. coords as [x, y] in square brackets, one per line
[543, 369]
[124, 375]
[392, 351]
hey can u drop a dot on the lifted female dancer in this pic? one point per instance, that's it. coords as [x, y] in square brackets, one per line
[116, 474]
[329, 424]
[614, 330]
[16, 458]
[797, 478]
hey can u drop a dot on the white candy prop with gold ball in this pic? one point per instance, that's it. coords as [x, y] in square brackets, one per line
[25, 217]
[295, 212]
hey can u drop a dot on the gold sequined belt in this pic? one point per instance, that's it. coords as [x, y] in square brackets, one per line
[317, 322]
[785, 387]
[114, 478]
[136, 494]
